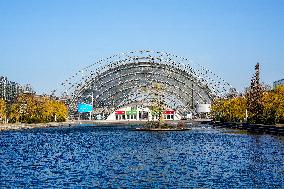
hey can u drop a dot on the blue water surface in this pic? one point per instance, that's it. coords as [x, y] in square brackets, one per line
[119, 157]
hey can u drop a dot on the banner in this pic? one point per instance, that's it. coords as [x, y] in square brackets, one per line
[132, 112]
[85, 108]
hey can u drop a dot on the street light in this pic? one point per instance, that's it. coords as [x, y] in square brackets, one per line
[91, 112]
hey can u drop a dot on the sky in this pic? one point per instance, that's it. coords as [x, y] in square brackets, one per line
[43, 42]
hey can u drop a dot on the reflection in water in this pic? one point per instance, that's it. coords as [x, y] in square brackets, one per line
[120, 157]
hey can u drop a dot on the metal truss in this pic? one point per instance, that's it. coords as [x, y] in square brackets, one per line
[128, 78]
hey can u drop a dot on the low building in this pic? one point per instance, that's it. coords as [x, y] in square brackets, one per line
[135, 114]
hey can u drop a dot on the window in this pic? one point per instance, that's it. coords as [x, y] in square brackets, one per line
[116, 117]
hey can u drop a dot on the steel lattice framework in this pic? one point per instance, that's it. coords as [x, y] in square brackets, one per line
[128, 78]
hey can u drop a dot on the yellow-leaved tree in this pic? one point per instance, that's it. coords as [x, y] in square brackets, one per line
[2, 110]
[279, 96]
[274, 106]
[269, 110]
[25, 109]
[29, 108]
[60, 111]
[233, 109]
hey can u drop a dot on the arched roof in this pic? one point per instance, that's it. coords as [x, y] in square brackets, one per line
[129, 78]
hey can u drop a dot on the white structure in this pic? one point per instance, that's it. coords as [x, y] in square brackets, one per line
[189, 115]
[135, 114]
[203, 108]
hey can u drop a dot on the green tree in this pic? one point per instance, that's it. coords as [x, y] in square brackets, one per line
[157, 106]
[254, 96]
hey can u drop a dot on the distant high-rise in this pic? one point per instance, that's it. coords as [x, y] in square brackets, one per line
[9, 89]
[277, 83]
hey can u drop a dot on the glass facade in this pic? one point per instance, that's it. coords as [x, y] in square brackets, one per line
[9, 89]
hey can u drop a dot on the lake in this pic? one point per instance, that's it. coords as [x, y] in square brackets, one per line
[119, 157]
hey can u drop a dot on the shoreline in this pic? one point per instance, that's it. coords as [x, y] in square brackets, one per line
[277, 129]
[253, 128]
[23, 126]
[70, 123]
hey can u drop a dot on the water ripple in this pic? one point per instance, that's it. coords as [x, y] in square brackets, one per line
[112, 157]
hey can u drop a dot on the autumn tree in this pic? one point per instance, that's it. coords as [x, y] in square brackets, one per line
[229, 109]
[269, 110]
[279, 103]
[60, 111]
[29, 108]
[264, 105]
[2, 110]
[273, 102]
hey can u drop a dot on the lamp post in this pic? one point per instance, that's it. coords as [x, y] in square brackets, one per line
[246, 119]
[91, 112]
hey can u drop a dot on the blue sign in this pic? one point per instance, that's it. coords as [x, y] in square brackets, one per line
[85, 108]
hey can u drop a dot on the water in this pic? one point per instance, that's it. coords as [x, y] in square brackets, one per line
[114, 157]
